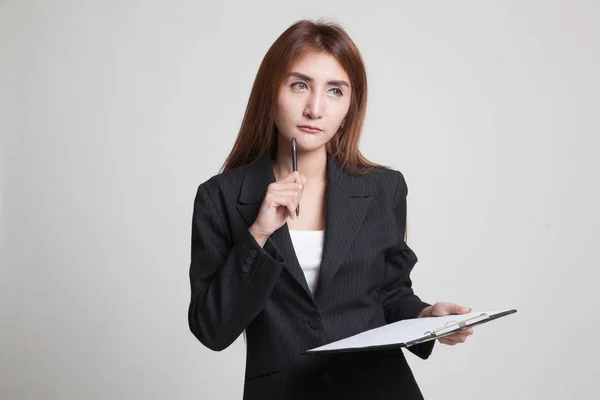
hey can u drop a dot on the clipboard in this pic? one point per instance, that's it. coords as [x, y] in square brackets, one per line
[409, 332]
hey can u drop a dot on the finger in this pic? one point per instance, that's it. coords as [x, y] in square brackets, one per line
[294, 176]
[289, 194]
[446, 341]
[294, 194]
[454, 341]
[284, 201]
[295, 197]
[291, 206]
[286, 186]
[276, 201]
[292, 189]
[456, 308]
[439, 310]
[450, 338]
[457, 338]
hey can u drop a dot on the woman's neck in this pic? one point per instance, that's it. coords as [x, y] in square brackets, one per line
[312, 164]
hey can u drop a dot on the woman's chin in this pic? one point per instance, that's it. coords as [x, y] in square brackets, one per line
[306, 142]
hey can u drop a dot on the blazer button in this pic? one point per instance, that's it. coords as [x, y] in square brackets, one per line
[249, 260]
[246, 268]
[253, 252]
[314, 322]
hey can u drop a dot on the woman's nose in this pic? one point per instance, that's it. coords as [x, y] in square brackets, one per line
[314, 108]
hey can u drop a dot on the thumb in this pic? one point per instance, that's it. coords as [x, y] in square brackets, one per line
[457, 309]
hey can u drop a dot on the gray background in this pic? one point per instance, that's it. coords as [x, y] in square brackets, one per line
[113, 112]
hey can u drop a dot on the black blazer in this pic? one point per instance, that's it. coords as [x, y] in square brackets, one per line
[364, 283]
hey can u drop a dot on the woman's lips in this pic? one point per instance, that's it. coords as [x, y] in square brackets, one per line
[309, 130]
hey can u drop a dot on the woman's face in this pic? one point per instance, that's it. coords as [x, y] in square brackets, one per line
[315, 94]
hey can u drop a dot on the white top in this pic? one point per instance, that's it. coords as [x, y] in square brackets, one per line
[308, 246]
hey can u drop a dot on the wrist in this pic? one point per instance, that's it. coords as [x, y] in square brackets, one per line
[261, 239]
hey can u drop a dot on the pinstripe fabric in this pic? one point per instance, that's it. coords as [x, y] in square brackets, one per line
[364, 283]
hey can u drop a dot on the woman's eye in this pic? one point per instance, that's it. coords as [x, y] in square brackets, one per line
[338, 92]
[300, 85]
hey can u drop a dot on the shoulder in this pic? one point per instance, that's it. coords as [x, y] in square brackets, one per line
[225, 179]
[387, 182]
[223, 184]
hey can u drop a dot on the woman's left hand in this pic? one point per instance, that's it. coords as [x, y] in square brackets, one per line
[443, 309]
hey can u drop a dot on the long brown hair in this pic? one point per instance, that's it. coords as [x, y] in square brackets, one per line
[258, 133]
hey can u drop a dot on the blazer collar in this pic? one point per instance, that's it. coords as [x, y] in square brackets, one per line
[347, 202]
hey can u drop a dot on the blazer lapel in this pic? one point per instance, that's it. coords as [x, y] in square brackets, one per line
[256, 181]
[347, 202]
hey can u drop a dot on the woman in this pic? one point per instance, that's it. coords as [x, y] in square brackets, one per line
[340, 267]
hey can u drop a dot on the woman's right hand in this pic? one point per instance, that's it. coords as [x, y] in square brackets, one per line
[278, 205]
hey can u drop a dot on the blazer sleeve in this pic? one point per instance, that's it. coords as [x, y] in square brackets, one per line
[230, 280]
[399, 300]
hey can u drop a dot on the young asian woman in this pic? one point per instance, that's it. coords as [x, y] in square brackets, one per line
[341, 267]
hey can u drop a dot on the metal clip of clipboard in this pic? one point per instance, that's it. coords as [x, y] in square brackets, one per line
[452, 326]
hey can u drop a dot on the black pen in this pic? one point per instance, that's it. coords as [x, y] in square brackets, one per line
[295, 168]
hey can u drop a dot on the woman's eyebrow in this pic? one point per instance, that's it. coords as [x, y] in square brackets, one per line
[309, 79]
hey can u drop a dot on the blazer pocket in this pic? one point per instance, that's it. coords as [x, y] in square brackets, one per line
[264, 377]
[265, 386]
